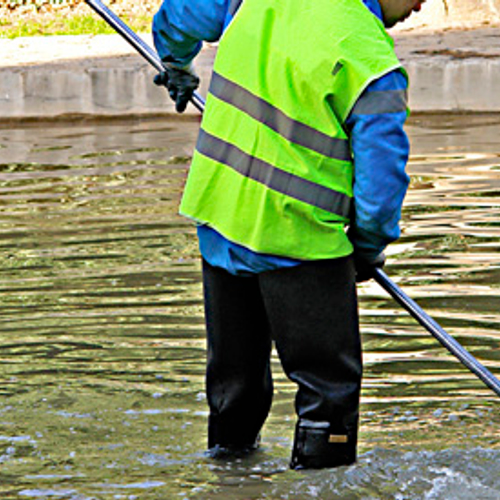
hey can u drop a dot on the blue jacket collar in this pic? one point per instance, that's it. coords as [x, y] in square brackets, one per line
[374, 8]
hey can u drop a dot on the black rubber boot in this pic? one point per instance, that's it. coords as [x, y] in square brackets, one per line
[313, 313]
[225, 452]
[318, 445]
[238, 379]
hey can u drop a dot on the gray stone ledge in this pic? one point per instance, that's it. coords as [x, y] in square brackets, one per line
[456, 71]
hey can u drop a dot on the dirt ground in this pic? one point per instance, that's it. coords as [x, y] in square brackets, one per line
[436, 15]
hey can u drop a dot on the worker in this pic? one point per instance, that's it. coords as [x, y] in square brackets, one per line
[296, 186]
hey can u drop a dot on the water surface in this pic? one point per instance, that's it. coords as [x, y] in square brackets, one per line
[102, 341]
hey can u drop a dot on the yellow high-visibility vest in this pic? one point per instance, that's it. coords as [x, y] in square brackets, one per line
[273, 168]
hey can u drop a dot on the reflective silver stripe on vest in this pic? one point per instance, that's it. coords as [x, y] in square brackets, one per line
[293, 131]
[278, 180]
[381, 101]
[234, 6]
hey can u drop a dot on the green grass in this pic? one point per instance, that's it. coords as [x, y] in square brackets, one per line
[58, 24]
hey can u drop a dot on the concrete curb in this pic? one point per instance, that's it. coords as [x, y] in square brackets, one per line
[89, 76]
[456, 71]
[98, 87]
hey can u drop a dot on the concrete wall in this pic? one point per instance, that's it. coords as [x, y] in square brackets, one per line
[103, 86]
[123, 86]
[450, 70]
[457, 86]
[52, 90]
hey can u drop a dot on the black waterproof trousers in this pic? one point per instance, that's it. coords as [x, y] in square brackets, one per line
[310, 312]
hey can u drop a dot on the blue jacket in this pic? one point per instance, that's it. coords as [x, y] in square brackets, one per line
[379, 144]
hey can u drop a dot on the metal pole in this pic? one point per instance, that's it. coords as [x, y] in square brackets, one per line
[138, 43]
[432, 327]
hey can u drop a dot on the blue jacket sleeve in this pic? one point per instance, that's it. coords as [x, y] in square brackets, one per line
[380, 148]
[180, 26]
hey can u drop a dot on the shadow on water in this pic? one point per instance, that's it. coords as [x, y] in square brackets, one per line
[102, 345]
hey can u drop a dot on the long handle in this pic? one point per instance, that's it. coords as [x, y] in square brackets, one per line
[445, 338]
[138, 43]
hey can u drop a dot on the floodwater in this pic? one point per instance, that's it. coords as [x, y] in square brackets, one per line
[102, 341]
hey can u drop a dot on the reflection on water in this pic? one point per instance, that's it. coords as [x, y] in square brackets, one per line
[102, 345]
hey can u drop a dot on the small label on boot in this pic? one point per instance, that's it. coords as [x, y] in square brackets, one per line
[335, 438]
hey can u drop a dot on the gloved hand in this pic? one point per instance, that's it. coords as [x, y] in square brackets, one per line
[180, 82]
[365, 267]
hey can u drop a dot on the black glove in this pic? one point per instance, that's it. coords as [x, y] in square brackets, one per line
[180, 82]
[365, 267]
